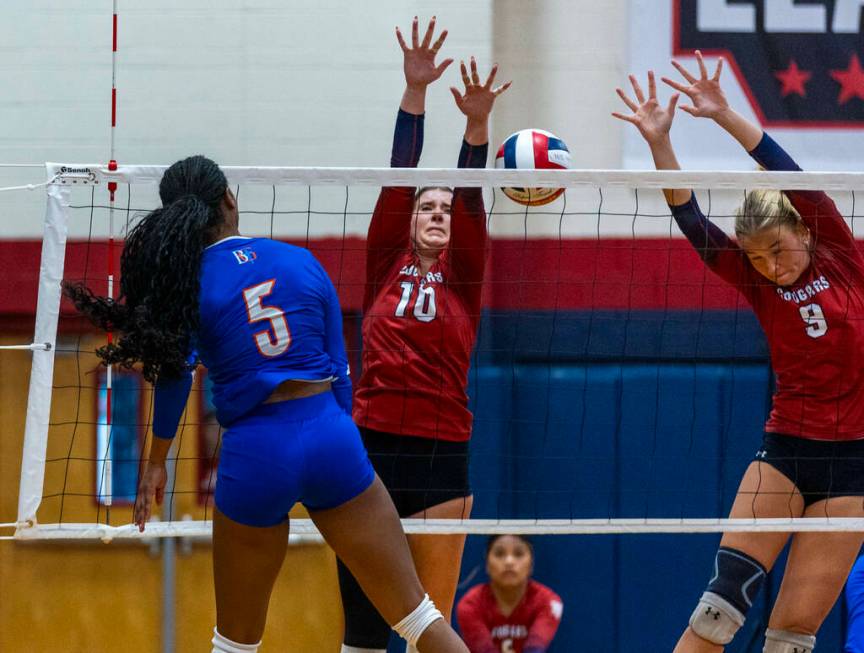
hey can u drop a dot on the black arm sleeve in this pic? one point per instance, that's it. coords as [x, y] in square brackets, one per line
[473, 156]
[707, 239]
[771, 156]
[407, 140]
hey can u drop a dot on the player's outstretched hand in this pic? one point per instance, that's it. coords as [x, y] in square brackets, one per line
[705, 93]
[478, 98]
[152, 485]
[651, 118]
[419, 59]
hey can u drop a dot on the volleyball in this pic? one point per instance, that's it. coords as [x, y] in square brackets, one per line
[533, 149]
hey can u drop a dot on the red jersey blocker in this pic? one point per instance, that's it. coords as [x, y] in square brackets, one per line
[411, 402]
[815, 327]
[419, 332]
[530, 628]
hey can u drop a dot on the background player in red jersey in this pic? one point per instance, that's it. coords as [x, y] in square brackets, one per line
[511, 613]
[797, 264]
[424, 275]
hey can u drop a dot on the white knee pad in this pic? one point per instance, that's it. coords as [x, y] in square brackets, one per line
[715, 619]
[354, 649]
[222, 644]
[415, 624]
[785, 641]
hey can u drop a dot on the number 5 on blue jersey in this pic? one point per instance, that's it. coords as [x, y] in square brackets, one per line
[258, 312]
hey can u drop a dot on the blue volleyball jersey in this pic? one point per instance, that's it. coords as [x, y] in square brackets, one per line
[268, 313]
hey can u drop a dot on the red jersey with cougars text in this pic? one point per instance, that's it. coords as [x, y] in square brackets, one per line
[814, 327]
[530, 628]
[419, 331]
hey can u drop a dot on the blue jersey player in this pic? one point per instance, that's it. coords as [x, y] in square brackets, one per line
[854, 594]
[265, 320]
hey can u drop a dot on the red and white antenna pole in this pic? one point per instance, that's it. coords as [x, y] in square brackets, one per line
[107, 489]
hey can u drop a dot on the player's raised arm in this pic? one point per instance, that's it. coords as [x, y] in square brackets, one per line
[654, 121]
[419, 65]
[816, 209]
[708, 101]
[389, 228]
[476, 102]
[420, 70]
[468, 240]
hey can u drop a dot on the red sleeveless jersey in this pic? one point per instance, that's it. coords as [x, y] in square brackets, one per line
[530, 628]
[418, 333]
[815, 327]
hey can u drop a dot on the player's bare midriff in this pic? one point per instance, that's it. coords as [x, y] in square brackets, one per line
[293, 389]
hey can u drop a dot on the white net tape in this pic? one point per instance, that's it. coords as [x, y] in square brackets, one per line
[305, 527]
[83, 174]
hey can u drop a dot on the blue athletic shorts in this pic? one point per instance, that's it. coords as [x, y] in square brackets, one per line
[305, 450]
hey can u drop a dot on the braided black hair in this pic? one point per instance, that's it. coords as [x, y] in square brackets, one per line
[157, 310]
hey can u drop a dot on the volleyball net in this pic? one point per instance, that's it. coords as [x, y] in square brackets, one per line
[617, 385]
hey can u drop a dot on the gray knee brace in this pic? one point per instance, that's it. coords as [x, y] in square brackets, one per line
[730, 592]
[785, 641]
[715, 619]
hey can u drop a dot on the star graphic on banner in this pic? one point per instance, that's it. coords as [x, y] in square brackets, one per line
[793, 79]
[851, 81]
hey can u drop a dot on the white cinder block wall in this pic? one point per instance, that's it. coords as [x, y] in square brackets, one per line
[287, 82]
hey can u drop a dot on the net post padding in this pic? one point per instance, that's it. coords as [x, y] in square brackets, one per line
[42, 370]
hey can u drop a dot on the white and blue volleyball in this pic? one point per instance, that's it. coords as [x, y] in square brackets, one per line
[533, 149]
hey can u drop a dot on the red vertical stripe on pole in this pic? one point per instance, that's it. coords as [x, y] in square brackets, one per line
[112, 187]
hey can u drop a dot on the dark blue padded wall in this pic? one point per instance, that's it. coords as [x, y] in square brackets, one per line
[623, 440]
[620, 415]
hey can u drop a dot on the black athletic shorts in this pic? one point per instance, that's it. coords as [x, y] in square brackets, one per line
[419, 473]
[820, 469]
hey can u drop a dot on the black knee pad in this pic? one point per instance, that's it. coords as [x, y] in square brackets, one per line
[364, 627]
[721, 611]
[737, 578]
